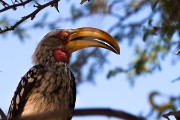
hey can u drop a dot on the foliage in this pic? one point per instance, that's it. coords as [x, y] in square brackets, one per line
[163, 107]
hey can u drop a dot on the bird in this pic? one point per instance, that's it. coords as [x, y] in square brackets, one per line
[50, 85]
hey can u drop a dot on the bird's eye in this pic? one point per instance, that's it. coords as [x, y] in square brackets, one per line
[63, 36]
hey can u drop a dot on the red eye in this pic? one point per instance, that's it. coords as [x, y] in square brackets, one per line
[63, 36]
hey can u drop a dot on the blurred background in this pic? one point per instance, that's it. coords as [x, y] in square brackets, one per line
[143, 80]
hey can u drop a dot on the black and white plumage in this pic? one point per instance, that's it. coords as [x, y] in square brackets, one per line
[28, 81]
[40, 87]
[50, 85]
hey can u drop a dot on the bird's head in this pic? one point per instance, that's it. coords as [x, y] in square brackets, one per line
[58, 45]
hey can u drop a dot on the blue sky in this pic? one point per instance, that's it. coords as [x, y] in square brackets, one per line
[115, 93]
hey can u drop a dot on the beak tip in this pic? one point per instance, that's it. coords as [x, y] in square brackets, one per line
[118, 53]
[118, 50]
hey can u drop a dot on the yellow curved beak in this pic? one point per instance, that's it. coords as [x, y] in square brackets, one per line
[91, 37]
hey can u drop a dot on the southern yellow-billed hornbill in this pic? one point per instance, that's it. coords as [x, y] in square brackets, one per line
[50, 85]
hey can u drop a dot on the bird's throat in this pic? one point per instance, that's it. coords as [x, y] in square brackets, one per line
[60, 55]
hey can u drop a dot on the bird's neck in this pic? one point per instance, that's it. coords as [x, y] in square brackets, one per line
[55, 65]
[51, 58]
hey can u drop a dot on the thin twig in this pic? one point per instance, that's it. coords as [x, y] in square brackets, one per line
[14, 6]
[83, 1]
[31, 15]
[4, 3]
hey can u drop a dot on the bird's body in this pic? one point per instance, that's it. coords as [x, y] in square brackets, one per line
[50, 85]
[55, 91]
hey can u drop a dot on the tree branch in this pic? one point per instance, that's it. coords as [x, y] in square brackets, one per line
[82, 112]
[175, 114]
[14, 6]
[31, 15]
[106, 112]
